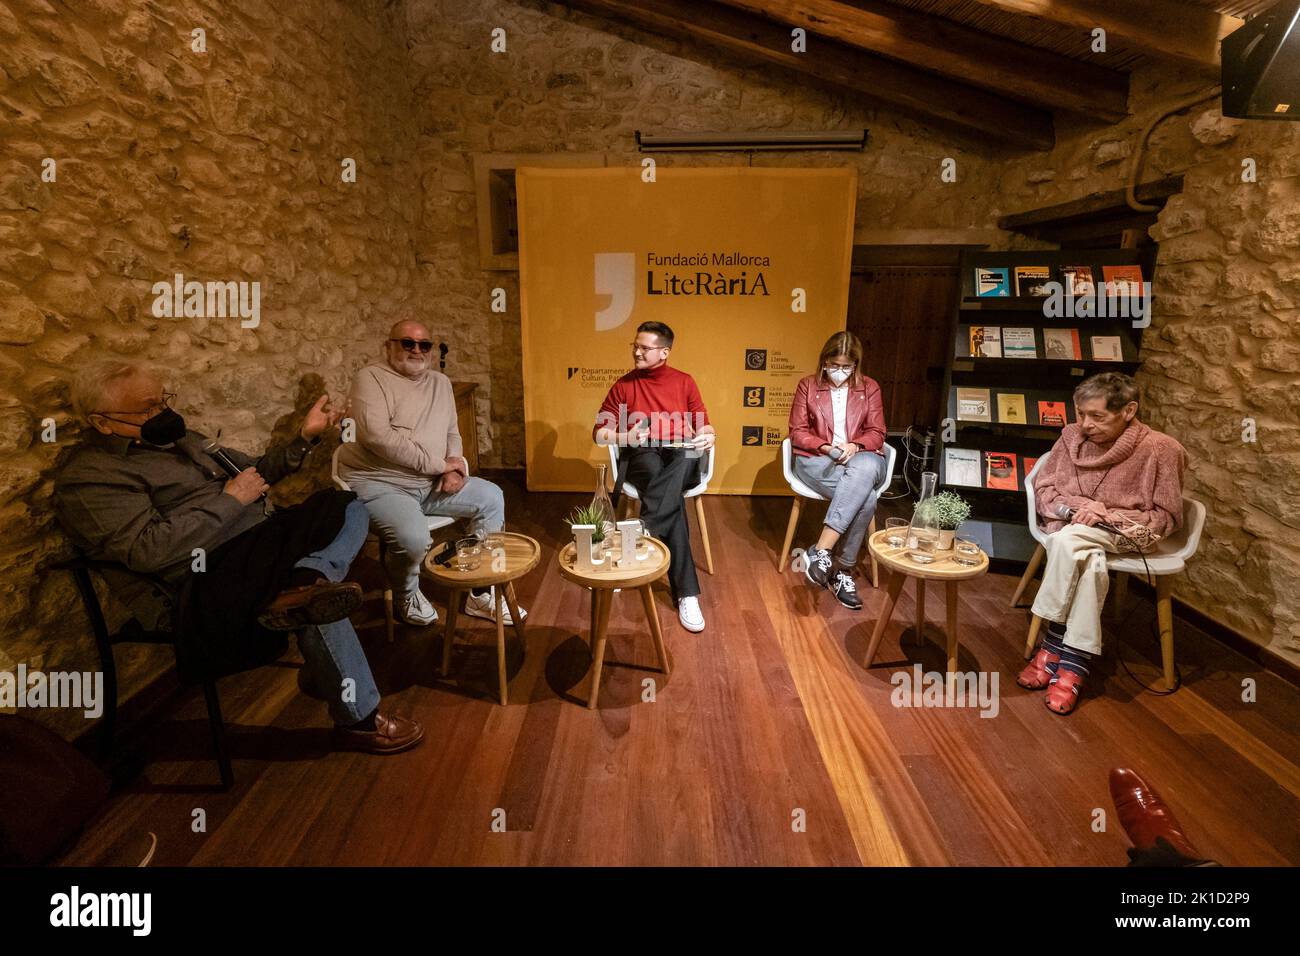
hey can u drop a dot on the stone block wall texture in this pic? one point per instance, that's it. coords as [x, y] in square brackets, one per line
[1223, 349]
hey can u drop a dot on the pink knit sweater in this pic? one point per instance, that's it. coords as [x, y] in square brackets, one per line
[1138, 476]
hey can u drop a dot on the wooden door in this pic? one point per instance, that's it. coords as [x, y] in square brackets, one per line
[903, 314]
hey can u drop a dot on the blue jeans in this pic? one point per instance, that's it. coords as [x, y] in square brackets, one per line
[401, 519]
[852, 490]
[335, 662]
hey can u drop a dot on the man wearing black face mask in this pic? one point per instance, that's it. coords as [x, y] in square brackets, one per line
[140, 490]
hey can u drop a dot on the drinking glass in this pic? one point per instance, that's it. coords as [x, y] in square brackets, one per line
[897, 531]
[966, 552]
[469, 552]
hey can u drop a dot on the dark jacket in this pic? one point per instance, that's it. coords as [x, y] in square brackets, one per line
[812, 419]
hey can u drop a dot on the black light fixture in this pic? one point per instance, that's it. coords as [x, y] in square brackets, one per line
[751, 142]
[1261, 65]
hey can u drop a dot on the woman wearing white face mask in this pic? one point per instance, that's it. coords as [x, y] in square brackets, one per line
[837, 434]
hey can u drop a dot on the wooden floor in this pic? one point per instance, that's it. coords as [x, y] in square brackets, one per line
[767, 719]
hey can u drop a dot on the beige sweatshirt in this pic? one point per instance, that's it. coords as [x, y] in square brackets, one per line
[406, 429]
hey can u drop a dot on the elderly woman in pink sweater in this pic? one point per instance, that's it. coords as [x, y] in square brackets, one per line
[1106, 469]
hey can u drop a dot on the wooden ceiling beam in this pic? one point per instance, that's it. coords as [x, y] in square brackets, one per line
[1017, 70]
[902, 87]
[1169, 29]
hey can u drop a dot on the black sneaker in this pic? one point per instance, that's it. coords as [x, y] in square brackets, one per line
[845, 590]
[818, 568]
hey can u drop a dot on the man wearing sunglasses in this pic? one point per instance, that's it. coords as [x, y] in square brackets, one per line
[196, 550]
[407, 464]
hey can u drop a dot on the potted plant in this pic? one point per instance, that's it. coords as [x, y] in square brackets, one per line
[946, 511]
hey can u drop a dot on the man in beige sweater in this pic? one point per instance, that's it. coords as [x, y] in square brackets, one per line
[406, 464]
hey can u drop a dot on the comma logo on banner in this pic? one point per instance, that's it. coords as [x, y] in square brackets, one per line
[615, 277]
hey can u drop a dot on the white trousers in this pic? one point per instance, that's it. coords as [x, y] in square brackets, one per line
[1075, 582]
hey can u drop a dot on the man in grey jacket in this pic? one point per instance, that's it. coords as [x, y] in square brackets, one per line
[407, 464]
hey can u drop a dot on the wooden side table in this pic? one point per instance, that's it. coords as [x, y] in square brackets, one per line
[602, 585]
[900, 567]
[522, 554]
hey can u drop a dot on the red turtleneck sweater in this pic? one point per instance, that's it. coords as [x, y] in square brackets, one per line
[669, 398]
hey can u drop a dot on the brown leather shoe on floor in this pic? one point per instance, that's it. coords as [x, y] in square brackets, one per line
[391, 735]
[1144, 815]
[318, 603]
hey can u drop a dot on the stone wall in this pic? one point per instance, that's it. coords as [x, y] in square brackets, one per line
[1223, 350]
[220, 165]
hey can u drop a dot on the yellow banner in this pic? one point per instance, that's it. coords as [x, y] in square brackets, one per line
[750, 268]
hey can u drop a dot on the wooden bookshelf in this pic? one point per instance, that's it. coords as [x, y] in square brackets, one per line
[999, 518]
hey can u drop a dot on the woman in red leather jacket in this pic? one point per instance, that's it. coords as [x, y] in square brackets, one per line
[837, 434]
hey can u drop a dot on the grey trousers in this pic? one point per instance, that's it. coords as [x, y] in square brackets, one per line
[852, 489]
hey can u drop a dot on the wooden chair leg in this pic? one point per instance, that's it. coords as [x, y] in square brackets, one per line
[796, 505]
[1120, 593]
[218, 727]
[1031, 569]
[704, 533]
[1031, 642]
[1165, 616]
[389, 614]
[875, 567]
[449, 632]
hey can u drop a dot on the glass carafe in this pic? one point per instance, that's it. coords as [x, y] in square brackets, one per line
[923, 532]
[601, 504]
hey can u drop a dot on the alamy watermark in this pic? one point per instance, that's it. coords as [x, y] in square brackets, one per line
[918, 688]
[22, 689]
[1107, 300]
[673, 428]
[179, 299]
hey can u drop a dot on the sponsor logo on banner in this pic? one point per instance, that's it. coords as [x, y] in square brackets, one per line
[573, 369]
[588, 377]
[751, 434]
[754, 396]
[616, 278]
[756, 359]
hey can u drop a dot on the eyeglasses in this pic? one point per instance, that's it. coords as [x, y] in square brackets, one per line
[840, 368]
[424, 345]
[638, 349]
[151, 411]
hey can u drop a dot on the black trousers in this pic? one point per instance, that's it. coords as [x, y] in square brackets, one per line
[660, 475]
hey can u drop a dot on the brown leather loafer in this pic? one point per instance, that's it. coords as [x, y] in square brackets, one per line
[318, 603]
[1144, 815]
[391, 735]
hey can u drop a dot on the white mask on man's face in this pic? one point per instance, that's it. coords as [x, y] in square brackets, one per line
[838, 375]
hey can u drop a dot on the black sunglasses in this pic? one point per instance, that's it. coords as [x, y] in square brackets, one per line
[411, 344]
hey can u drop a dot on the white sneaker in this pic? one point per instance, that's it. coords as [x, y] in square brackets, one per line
[688, 612]
[416, 609]
[485, 606]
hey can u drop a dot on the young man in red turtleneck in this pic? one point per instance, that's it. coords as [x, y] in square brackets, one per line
[648, 409]
[1109, 468]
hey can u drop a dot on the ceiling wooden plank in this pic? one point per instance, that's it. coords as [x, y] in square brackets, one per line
[1170, 29]
[1017, 70]
[1098, 204]
[903, 87]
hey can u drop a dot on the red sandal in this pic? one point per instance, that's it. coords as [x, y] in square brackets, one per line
[1036, 676]
[1063, 691]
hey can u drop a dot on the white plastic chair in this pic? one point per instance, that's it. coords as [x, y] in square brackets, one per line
[1167, 559]
[802, 491]
[435, 522]
[706, 475]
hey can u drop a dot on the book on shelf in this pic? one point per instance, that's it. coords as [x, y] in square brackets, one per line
[1052, 414]
[1033, 280]
[1028, 464]
[973, 405]
[1106, 348]
[1000, 470]
[961, 466]
[1122, 280]
[1077, 280]
[1011, 408]
[1019, 343]
[1061, 344]
[986, 341]
[992, 282]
